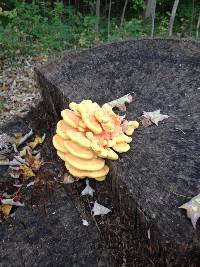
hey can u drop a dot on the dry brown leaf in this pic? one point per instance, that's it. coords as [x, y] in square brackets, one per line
[146, 122]
[18, 137]
[5, 209]
[68, 179]
[34, 162]
[37, 141]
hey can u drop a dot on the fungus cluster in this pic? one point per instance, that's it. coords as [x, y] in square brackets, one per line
[87, 135]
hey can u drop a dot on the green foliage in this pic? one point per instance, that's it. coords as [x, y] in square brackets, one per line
[134, 28]
[138, 4]
[162, 26]
[86, 32]
[43, 26]
[29, 32]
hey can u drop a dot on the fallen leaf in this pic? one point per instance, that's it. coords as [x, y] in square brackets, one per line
[30, 184]
[68, 179]
[4, 162]
[34, 162]
[146, 122]
[152, 117]
[99, 209]
[120, 102]
[88, 190]
[10, 201]
[20, 139]
[5, 209]
[26, 150]
[14, 173]
[125, 125]
[85, 222]
[26, 172]
[20, 159]
[37, 141]
[192, 208]
[15, 162]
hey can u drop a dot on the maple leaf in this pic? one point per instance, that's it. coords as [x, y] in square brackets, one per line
[120, 102]
[37, 141]
[99, 209]
[5, 209]
[152, 117]
[193, 209]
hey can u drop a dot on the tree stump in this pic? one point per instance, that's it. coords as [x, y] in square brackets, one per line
[162, 170]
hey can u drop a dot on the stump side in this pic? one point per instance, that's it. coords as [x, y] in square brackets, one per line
[48, 230]
[163, 163]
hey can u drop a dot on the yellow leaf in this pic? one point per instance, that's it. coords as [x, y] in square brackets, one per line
[26, 172]
[37, 141]
[18, 137]
[5, 209]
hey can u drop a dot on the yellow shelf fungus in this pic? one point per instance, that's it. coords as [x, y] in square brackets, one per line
[89, 134]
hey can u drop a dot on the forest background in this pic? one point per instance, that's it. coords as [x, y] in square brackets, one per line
[47, 27]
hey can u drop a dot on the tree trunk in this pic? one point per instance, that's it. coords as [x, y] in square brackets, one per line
[109, 13]
[192, 18]
[148, 9]
[172, 18]
[198, 26]
[97, 18]
[151, 12]
[153, 15]
[123, 13]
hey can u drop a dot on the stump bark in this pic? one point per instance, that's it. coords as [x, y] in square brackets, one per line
[162, 170]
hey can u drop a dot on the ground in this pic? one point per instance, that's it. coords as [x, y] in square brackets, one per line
[18, 89]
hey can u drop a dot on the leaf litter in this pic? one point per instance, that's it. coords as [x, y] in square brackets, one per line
[24, 163]
[18, 89]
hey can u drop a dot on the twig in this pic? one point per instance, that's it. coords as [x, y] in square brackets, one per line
[180, 130]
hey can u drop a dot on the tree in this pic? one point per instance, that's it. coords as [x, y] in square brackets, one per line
[153, 15]
[109, 13]
[148, 9]
[198, 26]
[123, 13]
[98, 2]
[151, 12]
[172, 17]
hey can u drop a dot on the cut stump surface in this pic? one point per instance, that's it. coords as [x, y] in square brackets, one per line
[162, 169]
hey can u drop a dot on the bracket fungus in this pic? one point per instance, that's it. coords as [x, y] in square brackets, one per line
[87, 135]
